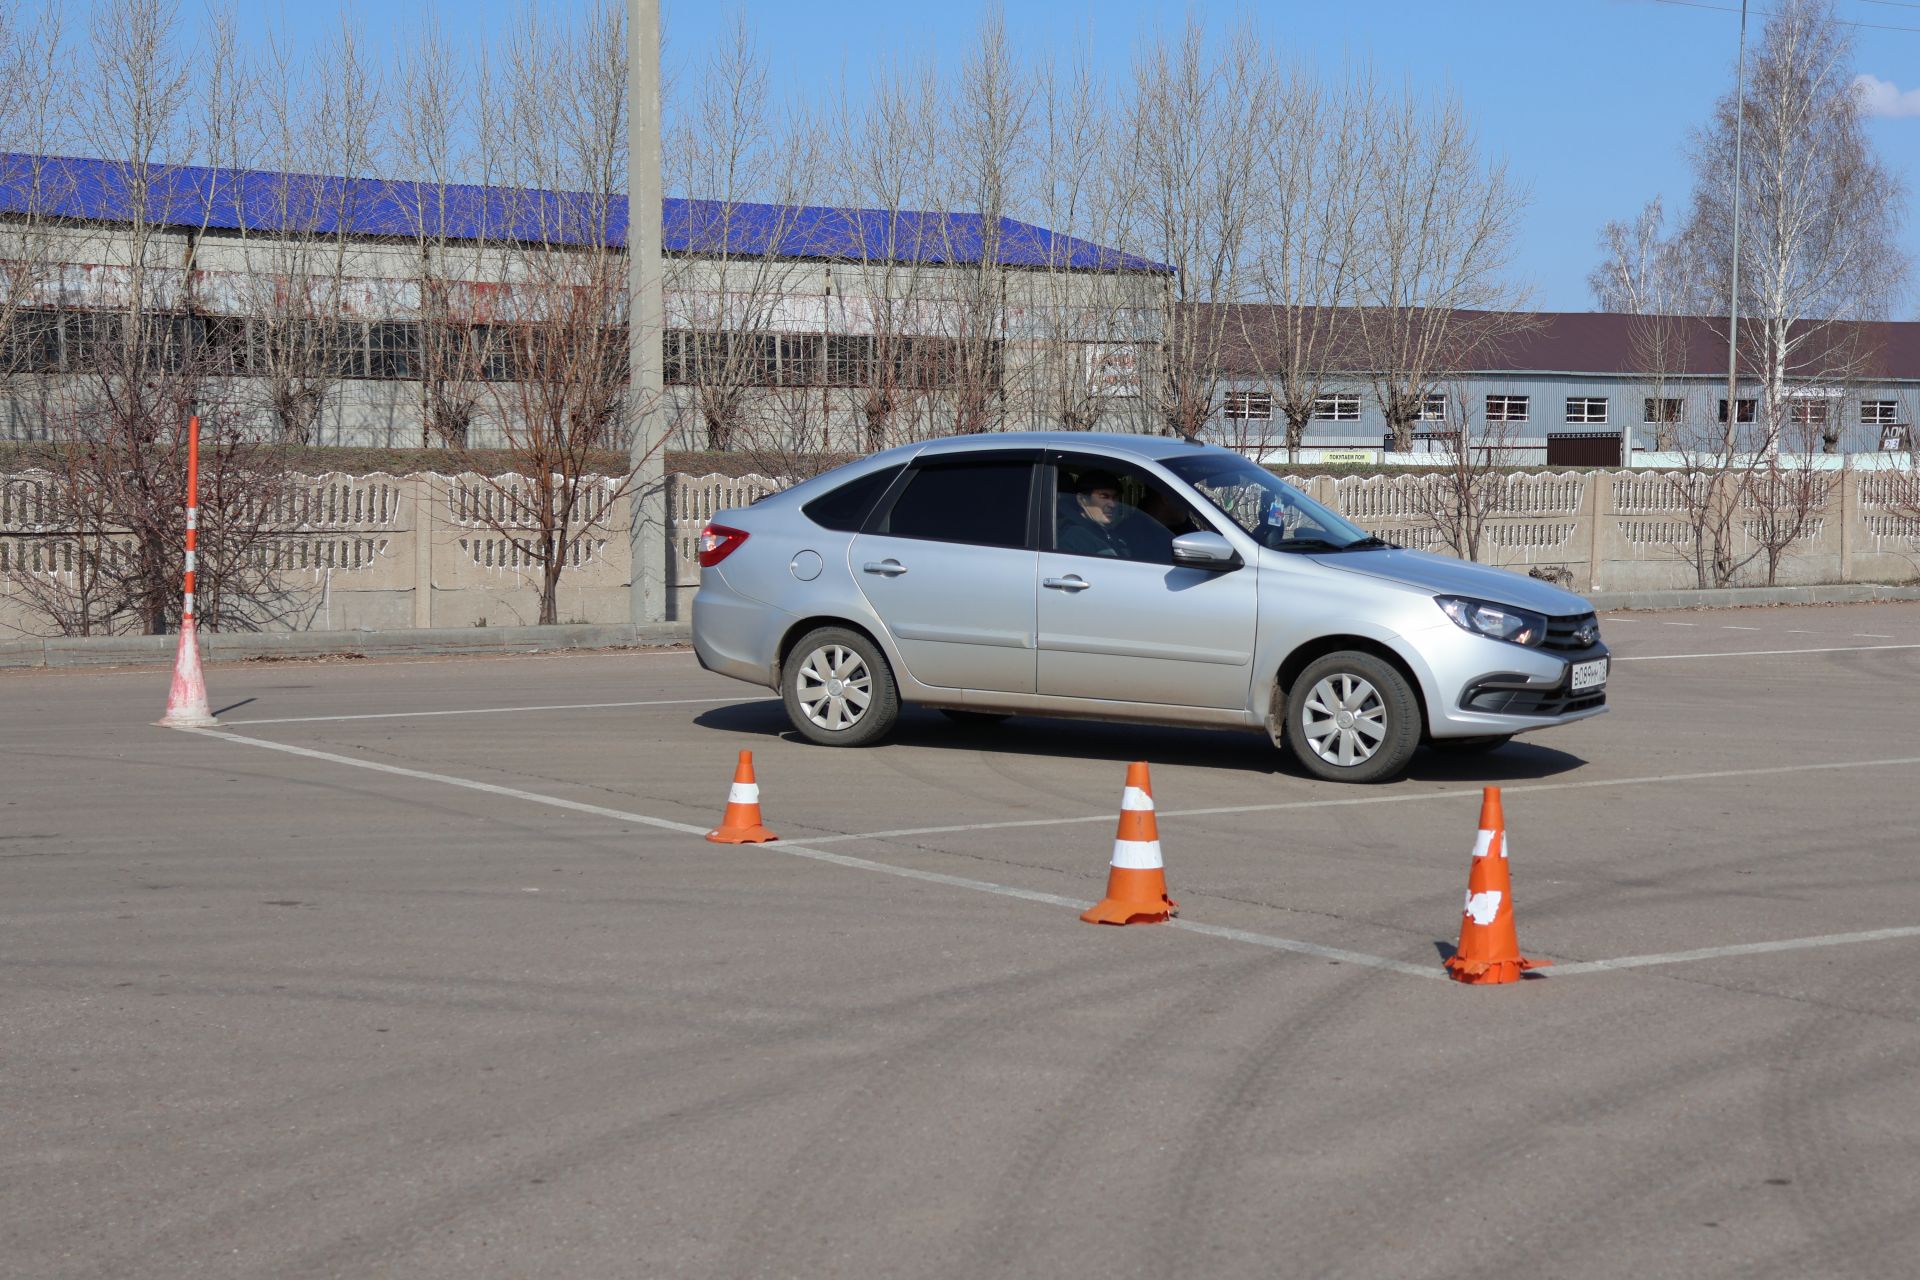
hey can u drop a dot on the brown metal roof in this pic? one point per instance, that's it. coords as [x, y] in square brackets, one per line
[1570, 342]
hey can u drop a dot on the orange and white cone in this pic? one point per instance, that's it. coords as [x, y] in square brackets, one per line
[1137, 878]
[742, 822]
[1489, 949]
[187, 700]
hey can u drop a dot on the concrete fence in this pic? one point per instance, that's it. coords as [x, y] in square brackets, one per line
[381, 552]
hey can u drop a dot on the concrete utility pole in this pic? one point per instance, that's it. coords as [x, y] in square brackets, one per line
[646, 316]
[1733, 295]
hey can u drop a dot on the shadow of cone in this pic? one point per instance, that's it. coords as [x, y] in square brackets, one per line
[187, 700]
[1489, 950]
[1137, 878]
[741, 825]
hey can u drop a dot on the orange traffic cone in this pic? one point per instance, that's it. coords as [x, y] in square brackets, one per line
[187, 699]
[1489, 949]
[742, 823]
[1137, 879]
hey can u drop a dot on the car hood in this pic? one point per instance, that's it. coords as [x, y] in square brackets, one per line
[1443, 575]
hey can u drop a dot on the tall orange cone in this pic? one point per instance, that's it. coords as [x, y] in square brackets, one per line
[1489, 949]
[1137, 878]
[187, 699]
[742, 822]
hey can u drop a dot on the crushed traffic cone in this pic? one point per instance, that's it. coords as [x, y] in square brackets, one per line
[1489, 949]
[742, 822]
[187, 701]
[1137, 879]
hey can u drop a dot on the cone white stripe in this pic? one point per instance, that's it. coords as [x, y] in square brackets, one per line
[743, 793]
[1137, 800]
[1483, 844]
[187, 608]
[193, 517]
[1137, 855]
[190, 560]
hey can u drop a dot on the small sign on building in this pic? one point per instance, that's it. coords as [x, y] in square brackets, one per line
[1113, 369]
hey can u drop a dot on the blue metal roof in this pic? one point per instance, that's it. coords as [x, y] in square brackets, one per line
[257, 200]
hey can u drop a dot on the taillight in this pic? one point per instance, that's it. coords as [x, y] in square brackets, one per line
[717, 542]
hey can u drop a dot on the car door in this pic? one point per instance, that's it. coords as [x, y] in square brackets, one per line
[948, 563]
[1117, 618]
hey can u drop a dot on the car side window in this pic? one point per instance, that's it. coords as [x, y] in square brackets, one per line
[845, 508]
[984, 503]
[1117, 511]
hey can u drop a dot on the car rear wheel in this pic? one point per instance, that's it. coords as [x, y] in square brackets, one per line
[1352, 717]
[838, 689]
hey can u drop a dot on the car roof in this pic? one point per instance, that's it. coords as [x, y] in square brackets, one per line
[1151, 447]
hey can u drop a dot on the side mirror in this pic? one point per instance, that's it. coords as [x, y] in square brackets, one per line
[1205, 550]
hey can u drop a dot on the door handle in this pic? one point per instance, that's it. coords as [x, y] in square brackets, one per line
[1072, 582]
[885, 568]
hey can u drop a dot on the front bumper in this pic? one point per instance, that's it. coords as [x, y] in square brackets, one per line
[1487, 687]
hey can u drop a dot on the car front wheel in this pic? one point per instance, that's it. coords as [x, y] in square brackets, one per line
[838, 689]
[1352, 717]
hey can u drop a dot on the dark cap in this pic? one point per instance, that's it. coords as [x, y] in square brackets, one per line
[1088, 481]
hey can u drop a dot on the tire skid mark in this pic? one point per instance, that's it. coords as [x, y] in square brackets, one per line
[1047, 1149]
[783, 1222]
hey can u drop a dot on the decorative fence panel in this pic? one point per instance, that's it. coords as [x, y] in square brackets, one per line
[381, 551]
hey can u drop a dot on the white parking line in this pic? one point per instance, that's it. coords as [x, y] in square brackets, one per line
[821, 855]
[1679, 624]
[1871, 635]
[1731, 627]
[1737, 949]
[1758, 653]
[1403, 798]
[490, 711]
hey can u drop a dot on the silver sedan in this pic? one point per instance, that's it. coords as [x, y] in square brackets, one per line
[1128, 578]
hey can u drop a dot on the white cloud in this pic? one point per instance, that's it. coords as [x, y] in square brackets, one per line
[1885, 98]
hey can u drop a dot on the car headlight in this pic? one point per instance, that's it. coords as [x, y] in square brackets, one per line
[1495, 621]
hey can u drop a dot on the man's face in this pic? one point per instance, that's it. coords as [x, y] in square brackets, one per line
[1100, 504]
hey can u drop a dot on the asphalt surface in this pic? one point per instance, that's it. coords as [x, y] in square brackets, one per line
[278, 1014]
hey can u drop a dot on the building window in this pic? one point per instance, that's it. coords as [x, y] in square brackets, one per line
[849, 361]
[1745, 410]
[1808, 413]
[1249, 406]
[1340, 407]
[393, 350]
[1433, 408]
[1879, 413]
[1506, 408]
[1662, 409]
[1587, 409]
[800, 359]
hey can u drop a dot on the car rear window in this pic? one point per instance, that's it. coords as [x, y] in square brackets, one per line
[846, 507]
[978, 502]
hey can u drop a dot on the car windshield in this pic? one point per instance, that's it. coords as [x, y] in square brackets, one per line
[1278, 515]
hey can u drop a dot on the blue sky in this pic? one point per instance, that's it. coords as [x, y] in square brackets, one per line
[1590, 100]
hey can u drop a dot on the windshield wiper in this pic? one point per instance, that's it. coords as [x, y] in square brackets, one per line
[1325, 544]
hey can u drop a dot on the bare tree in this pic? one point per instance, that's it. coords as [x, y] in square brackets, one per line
[1819, 215]
[1313, 162]
[437, 101]
[1195, 118]
[1438, 231]
[743, 230]
[560, 341]
[1471, 479]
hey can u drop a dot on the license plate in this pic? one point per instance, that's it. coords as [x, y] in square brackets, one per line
[1589, 675]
